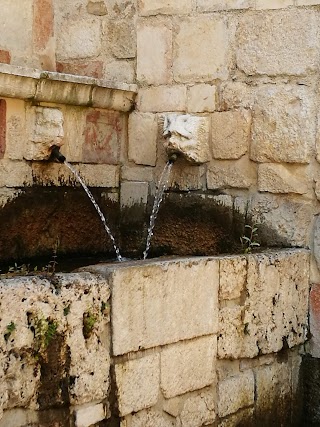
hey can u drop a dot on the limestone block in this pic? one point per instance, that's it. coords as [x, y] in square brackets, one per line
[315, 320]
[43, 34]
[122, 38]
[134, 193]
[243, 417]
[283, 124]
[187, 135]
[273, 4]
[8, 194]
[307, 2]
[201, 49]
[66, 93]
[143, 129]
[283, 179]
[235, 393]
[138, 383]
[45, 130]
[97, 8]
[19, 418]
[231, 132]
[213, 5]
[237, 95]
[159, 99]
[201, 98]
[231, 174]
[17, 86]
[316, 241]
[186, 177]
[136, 173]
[110, 99]
[198, 410]
[120, 71]
[188, 366]
[74, 133]
[79, 38]
[81, 68]
[233, 273]
[100, 175]
[15, 129]
[282, 220]
[154, 52]
[227, 368]
[89, 415]
[164, 7]
[149, 298]
[278, 43]
[148, 418]
[15, 174]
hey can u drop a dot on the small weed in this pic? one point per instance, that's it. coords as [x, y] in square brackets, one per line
[11, 327]
[66, 310]
[248, 241]
[89, 320]
[44, 331]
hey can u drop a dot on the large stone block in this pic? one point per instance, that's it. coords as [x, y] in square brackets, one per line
[283, 124]
[89, 415]
[201, 98]
[159, 99]
[235, 393]
[201, 49]
[148, 418]
[134, 193]
[154, 52]
[138, 383]
[188, 366]
[143, 130]
[315, 320]
[231, 132]
[231, 174]
[273, 4]
[198, 410]
[122, 38]
[15, 174]
[214, 5]
[276, 178]
[164, 7]
[151, 297]
[278, 43]
[15, 129]
[233, 274]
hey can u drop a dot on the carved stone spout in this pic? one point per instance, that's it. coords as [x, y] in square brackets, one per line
[187, 135]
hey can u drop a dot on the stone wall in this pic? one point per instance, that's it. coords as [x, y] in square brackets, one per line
[184, 342]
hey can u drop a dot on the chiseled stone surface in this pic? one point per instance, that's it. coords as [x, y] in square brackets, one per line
[15, 174]
[188, 366]
[158, 99]
[89, 415]
[143, 129]
[198, 410]
[149, 298]
[138, 383]
[233, 275]
[277, 178]
[235, 392]
[218, 5]
[148, 418]
[240, 173]
[201, 98]
[165, 7]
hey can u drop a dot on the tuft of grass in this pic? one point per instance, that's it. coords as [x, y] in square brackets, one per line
[249, 240]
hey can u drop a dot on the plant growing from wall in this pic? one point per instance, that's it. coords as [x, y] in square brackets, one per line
[11, 327]
[44, 332]
[249, 240]
[89, 321]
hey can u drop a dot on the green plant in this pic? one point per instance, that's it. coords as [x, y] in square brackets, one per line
[89, 320]
[44, 331]
[248, 241]
[66, 310]
[11, 327]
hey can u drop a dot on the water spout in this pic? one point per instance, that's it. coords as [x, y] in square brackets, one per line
[56, 155]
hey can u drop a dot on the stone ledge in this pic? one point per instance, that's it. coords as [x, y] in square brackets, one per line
[60, 88]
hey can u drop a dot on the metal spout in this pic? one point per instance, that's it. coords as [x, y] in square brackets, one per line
[173, 157]
[56, 155]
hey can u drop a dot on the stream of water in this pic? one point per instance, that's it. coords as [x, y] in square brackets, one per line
[103, 219]
[162, 186]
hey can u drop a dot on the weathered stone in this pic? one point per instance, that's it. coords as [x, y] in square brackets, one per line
[134, 193]
[233, 274]
[283, 179]
[230, 134]
[16, 134]
[201, 49]
[3, 125]
[136, 173]
[15, 174]
[45, 131]
[79, 38]
[43, 33]
[187, 178]
[278, 43]
[120, 71]
[173, 406]
[154, 52]
[214, 5]
[148, 418]
[63, 93]
[243, 417]
[201, 98]
[315, 320]
[138, 383]
[273, 4]
[5, 57]
[159, 99]
[122, 38]
[283, 124]
[81, 68]
[307, 2]
[165, 7]
[235, 393]
[198, 410]
[89, 415]
[187, 135]
[282, 220]
[188, 366]
[97, 8]
[166, 293]
[235, 174]
[143, 129]
[100, 175]
[227, 368]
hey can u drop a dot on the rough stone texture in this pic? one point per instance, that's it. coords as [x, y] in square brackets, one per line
[81, 68]
[15, 132]
[235, 393]
[284, 221]
[231, 174]
[278, 43]
[233, 274]
[283, 124]
[315, 320]
[201, 98]
[198, 410]
[273, 4]
[216, 5]
[15, 174]
[165, 7]
[148, 418]
[45, 131]
[154, 52]
[134, 193]
[188, 136]
[159, 99]
[244, 417]
[283, 179]
[138, 383]
[136, 173]
[100, 175]
[188, 366]
[230, 134]
[89, 415]
[122, 38]
[148, 299]
[43, 33]
[194, 64]
[143, 129]
[316, 240]
[3, 127]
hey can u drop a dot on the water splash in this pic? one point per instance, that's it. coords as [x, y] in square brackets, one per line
[162, 186]
[103, 219]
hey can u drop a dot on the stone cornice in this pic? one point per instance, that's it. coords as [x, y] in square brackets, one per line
[60, 88]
